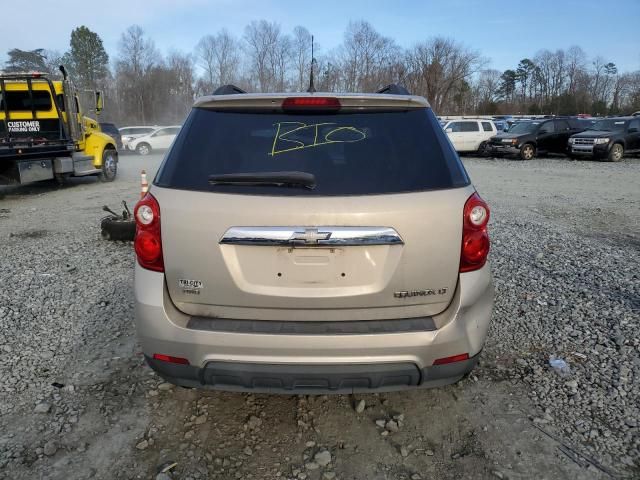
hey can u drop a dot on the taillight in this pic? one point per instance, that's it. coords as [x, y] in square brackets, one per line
[170, 359]
[475, 238]
[311, 103]
[461, 357]
[148, 242]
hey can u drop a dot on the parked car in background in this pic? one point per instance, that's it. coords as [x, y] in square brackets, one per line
[470, 134]
[607, 139]
[129, 133]
[344, 261]
[501, 125]
[636, 114]
[526, 139]
[158, 139]
[111, 130]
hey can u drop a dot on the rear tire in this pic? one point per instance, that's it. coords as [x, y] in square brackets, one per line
[109, 165]
[616, 153]
[143, 149]
[483, 149]
[527, 152]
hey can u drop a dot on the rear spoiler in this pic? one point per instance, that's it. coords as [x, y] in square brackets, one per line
[271, 101]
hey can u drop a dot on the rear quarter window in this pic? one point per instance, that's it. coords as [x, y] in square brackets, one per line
[348, 153]
[21, 100]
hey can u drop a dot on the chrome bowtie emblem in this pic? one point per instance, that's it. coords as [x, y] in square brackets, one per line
[310, 236]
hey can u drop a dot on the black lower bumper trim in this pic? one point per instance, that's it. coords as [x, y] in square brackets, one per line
[311, 378]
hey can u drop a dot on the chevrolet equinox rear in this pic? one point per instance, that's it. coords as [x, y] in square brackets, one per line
[312, 243]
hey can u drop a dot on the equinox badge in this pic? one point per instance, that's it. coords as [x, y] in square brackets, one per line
[420, 293]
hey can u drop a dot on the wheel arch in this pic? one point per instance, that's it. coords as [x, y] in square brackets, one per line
[96, 144]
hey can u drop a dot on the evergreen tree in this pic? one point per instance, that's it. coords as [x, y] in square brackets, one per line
[89, 60]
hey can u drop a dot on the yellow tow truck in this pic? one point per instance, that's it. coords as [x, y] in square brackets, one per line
[44, 134]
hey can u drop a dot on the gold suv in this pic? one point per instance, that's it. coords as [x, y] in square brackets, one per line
[312, 243]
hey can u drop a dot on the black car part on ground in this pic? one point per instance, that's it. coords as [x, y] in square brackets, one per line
[120, 227]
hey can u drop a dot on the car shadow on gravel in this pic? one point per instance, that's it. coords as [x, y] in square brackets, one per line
[40, 188]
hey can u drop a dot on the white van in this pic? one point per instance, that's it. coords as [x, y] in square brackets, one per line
[470, 134]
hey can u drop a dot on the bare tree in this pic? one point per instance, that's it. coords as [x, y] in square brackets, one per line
[181, 87]
[269, 52]
[145, 87]
[438, 67]
[53, 60]
[576, 60]
[137, 56]
[489, 85]
[219, 56]
[366, 58]
[301, 56]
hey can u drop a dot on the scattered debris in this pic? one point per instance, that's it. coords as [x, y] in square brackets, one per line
[560, 366]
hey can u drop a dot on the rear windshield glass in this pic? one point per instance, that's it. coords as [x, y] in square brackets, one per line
[348, 153]
[609, 125]
[524, 127]
[21, 100]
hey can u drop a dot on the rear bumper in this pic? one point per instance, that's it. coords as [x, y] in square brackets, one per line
[311, 378]
[313, 362]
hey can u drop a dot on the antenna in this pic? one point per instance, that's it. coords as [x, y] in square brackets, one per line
[312, 88]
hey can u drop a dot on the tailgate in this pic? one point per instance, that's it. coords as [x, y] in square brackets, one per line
[217, 254]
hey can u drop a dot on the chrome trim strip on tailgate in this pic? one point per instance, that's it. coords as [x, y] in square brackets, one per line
[311, 236]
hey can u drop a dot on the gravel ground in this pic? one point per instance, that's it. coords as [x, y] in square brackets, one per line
[76, 400]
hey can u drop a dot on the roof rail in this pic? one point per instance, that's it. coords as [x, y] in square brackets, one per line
[394, 89]
[228, 90]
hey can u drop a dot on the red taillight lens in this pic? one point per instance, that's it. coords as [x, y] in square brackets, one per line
[148, 241]
[148, 247]
[475, 238]
[170, 359]
[454, 358]
[305, 103]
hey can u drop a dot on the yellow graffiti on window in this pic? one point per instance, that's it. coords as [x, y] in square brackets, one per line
[311, 136]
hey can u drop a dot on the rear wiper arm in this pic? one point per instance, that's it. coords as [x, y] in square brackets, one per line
[278, 179]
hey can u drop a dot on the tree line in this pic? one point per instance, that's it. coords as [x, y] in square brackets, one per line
[145, 86]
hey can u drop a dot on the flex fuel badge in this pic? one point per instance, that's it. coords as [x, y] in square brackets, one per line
[190, 287]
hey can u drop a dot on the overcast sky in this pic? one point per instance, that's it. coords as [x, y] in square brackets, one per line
[503, 31]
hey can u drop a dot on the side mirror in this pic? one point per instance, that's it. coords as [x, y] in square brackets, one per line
[543, 131]
[99, 101]
[449, 130]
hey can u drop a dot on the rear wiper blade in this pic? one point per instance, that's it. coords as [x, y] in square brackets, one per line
[278, 179]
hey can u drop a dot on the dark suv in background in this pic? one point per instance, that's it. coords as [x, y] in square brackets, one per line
[529, 138]
[607, 139]
[111, 130]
